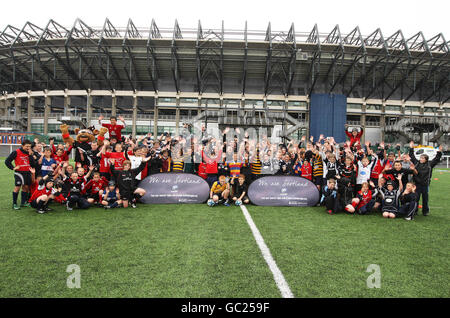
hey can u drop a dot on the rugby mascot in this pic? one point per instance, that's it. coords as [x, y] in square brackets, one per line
[83, 141]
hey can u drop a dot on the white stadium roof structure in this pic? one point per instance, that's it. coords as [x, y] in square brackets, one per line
[200, 60]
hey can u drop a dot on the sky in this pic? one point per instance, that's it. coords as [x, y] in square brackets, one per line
[430, 17]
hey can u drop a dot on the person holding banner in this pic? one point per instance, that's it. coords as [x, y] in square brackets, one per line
[422, 177]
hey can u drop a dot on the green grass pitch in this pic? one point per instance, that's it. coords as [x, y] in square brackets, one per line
[197, 251]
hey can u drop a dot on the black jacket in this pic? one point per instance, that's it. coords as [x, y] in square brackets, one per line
[126, 180]
[424, 170]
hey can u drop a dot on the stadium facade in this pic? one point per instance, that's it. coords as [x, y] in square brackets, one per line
[158, 78]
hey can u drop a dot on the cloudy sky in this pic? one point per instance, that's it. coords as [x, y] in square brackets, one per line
[431, 17]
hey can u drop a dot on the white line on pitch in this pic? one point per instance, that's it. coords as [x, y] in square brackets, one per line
[277, 275]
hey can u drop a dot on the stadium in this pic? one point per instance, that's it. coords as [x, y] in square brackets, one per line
[396, 87]
[296, 84]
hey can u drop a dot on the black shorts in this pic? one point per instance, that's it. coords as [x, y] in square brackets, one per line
[244, 198]
[126, 195]
[34, 204]
[318, 180]
[94, 196]
[22, 178]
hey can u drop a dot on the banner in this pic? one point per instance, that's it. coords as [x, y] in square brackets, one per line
[425, 150]
[174, 188]
[283, 191]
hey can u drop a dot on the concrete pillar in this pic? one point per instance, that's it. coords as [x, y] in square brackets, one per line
[89, 108]
[177, 118]
[383, 121]
[133, 127]
[308, 110]
[30, 108]
[47, 103]
[114, 106]
[363, 123]
[66, 105]
[2, 107]
[155, 122]
[17, 108]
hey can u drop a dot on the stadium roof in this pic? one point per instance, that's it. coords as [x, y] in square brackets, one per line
[224, 61]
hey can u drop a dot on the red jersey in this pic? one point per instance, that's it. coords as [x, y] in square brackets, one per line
[307, 170]
[389, 166]
[114, 131]
[119, 158]
[364, 198]
[64, 156]
[377, 169]
[93, 187]
[202, 170]
[104, 165]
[58, 159]
[211, 163]
[23, 160]
[41, 190]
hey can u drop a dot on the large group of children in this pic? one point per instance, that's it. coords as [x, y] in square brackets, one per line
[352, 177]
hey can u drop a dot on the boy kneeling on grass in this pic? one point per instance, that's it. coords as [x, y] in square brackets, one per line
[219, 193]
[330, 197]
[43, 195]
[239, 190]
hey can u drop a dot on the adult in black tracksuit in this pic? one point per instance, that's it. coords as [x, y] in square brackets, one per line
[422, 179]
[126, 181]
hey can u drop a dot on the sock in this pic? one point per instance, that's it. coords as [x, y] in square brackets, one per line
[23, 197]
[46, 204]
[354, 204]
[15, 195]
[40, 205]
[137, 196]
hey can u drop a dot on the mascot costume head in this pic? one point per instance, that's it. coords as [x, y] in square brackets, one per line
[86, 135]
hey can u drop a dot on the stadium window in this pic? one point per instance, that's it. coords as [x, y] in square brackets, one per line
[234, 102]
[372, 121]
[127, 130]
[54, 128]
[210, 102]
[145, 102]
[38, 128]
[373, 107]
[143, 129]
[189, 101]
[297, 104]
[393, 108]
[354, 106]
[167, 100]
[353, 119]
[413, 109]
[275, 103]
[447, 110]
[255, 102]
[432, 110]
